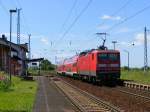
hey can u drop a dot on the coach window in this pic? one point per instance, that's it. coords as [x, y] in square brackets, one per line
[92, 56]
[75, 64]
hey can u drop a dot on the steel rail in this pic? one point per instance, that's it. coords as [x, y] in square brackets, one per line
[97, 100]
[136, 95]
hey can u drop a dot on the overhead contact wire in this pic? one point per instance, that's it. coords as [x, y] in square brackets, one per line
[75, 20]
[129, 17]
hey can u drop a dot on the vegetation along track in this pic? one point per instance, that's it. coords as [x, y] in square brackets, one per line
[113, 95]
[83, 100]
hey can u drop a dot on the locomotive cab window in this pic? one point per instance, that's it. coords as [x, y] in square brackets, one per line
[103, 56]
[75, 64]
[113, 57]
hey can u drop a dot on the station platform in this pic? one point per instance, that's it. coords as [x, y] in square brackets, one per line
[50, 99]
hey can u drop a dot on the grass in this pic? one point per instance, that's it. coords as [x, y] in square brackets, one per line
[136, 75]
[20, 97]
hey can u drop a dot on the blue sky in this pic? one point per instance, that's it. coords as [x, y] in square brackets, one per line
[44, 19]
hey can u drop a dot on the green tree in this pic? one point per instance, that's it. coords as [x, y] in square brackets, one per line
[125, 68]
[47, 65]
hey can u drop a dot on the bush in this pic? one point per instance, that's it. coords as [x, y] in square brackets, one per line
[5, 84]
[4, 81]
[125, 68]
[47, 65]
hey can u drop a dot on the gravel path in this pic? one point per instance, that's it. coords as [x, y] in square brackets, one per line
[51, 99]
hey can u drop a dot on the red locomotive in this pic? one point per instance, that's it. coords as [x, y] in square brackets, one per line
[96, 65]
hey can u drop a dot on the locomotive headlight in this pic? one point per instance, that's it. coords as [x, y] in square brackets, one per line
[114, 65]
[102, 65]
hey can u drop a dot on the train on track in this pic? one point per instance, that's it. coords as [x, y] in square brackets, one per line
[96, 65]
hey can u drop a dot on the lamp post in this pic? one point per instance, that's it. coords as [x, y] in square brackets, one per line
[11, 11]
[114, 43]
[128, 58]
[29, 46]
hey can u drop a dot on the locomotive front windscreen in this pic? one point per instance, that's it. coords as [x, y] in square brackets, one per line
[113, 57]
[108, 56]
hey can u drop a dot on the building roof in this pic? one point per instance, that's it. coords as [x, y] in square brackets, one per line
[5, 42]
[35, 60]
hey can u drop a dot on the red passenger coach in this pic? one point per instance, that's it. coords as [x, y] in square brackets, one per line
[69, 66]
[93, 65]
[96, 65]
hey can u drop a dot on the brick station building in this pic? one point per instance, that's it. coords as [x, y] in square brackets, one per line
[18, 57]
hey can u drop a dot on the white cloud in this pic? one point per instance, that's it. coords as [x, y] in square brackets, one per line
[103, 27]
[45, 40]
[123, 43]
[36, 55]
[108, 17]
[123, 30]
[139, 39]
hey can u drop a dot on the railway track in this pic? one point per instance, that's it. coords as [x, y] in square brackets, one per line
[137, 94]
[141, 93]
[127, 99]
[83, 100]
